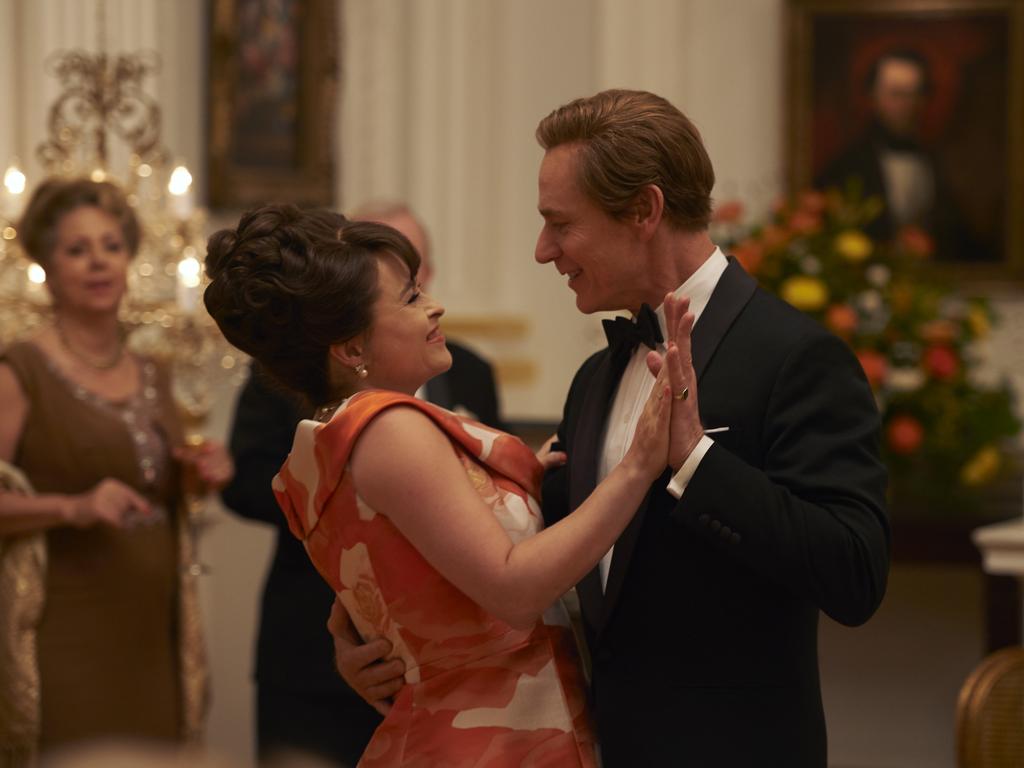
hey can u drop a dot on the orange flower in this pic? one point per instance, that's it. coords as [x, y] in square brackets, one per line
[916, 241]
[728, 212]
[749, 253]
[804, 222]
[813, 202]
[874, 364]
[842, 319]
[905, 434]
[938, 332]
[773, 236]
[941, 362]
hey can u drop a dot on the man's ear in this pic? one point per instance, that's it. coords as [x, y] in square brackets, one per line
[348, 353]
[647, 210]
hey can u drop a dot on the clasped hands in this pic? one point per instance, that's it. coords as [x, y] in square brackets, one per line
[366, 666]
[675, 367]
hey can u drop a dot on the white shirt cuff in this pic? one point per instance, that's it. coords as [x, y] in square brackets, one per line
[681, 479]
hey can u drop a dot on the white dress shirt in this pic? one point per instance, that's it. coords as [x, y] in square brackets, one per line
[636, 384]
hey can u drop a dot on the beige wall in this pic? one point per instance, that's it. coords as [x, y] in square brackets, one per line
[438, 106]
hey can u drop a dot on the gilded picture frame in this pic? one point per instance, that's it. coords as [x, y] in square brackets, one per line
[273, 71]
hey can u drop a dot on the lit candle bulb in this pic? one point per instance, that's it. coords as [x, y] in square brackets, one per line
[14, 187]
[189, 278]
[180, 186]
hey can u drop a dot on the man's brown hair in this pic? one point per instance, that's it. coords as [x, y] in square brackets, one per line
[629, 139]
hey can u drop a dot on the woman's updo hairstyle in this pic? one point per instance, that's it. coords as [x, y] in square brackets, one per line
[288, 283]
[56, 197]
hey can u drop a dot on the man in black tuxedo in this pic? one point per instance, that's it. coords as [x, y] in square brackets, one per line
[702, 621]
[303, 707]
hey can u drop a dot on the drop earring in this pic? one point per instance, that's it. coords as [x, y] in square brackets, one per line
[361, 371]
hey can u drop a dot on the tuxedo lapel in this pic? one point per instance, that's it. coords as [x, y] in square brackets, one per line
[731, 294]
[583, 458]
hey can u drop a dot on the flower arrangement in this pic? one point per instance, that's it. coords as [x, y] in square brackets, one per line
[945, 432]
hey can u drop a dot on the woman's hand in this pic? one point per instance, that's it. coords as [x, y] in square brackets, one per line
[686, 429]
[548, 458]
[210, 461]
[110, 502]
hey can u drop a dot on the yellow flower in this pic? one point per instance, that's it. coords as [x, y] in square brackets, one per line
[807, 294]
[978, 322]
[982, 467]
[853, 245]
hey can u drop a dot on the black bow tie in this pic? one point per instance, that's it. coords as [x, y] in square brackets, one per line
[624, 334]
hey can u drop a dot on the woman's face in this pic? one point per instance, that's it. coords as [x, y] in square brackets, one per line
[88, 268]
[405, 346]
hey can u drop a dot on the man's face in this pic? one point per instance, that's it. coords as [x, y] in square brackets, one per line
[899, 96]
[596, 251]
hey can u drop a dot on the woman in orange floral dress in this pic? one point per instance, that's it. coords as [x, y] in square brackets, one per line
[425, 523]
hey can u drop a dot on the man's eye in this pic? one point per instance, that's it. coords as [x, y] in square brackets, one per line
[414, 297]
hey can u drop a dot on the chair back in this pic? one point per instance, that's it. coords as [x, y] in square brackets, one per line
[990, 713]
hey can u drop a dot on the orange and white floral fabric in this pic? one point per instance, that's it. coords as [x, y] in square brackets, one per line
[478, 692]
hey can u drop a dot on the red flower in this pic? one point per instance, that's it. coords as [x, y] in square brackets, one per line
[749, 253]
[841, 319]
[905, 434]
[874, 364]
[916, 241]
[728, 212]
[813, 202]
[941, 362]
[773, 236]
[804, 222]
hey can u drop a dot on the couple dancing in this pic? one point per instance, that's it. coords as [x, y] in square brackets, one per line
[702, 560]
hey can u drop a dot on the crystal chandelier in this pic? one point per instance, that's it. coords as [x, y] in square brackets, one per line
[103, 105]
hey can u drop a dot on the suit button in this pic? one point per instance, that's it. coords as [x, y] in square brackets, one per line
[735, 538]
[726, 532]
[715, 525]
[704, 520]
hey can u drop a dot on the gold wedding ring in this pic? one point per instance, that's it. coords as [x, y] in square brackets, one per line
[683, 395]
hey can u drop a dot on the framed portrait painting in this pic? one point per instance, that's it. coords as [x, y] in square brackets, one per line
[918, 104]
[272, 87]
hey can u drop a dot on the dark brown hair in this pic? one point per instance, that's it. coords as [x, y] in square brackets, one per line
[56, 197]
[287, 283]
[629, 139]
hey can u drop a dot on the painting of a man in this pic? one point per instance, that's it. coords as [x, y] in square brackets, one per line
[914, 116]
